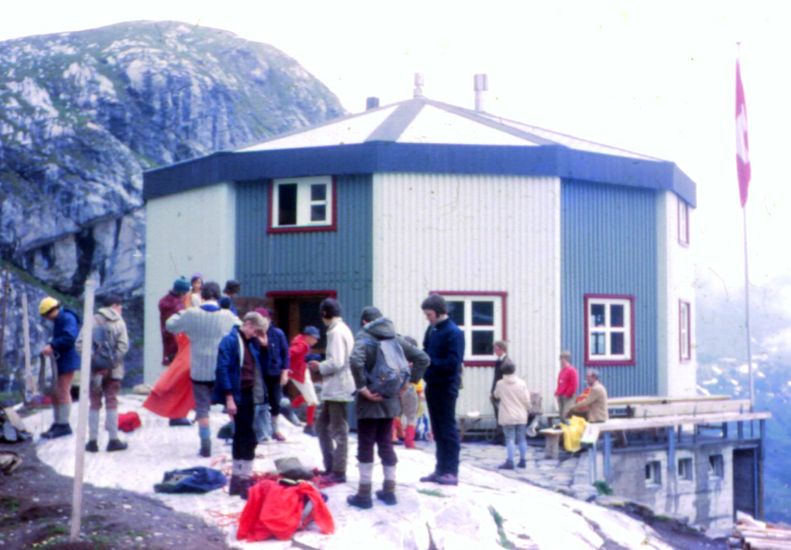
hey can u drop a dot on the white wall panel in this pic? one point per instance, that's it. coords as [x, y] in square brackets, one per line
[193, 231]
[473, 233]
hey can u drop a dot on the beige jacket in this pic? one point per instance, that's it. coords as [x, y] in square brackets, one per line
[108, 316]
[514, 400]
[595, 403]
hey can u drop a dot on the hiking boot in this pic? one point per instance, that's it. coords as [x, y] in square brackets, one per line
[362, 499]
[92, 446]
[387, 493]
[310, 429]
[46, 433]
[433, 477]
[57, 430]
[448, 479]
[507, 465]
[238, 486]
[277, 436]
[205, 448]
[116, 445]
[522, 464]
[179, 422]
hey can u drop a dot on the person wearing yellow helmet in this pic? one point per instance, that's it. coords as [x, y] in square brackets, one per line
[66, 327]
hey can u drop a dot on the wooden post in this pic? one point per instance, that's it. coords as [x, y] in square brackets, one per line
[671, 455]
[82, 421]
[29, 385]
[607, 455]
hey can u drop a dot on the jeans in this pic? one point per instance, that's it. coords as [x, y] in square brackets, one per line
[332, 427]
[441, 401]
[262, 423]
[515, 433]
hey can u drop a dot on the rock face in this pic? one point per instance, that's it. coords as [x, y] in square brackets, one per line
[84, 113]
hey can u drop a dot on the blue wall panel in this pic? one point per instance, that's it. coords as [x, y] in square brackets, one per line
[327, 260]
[609, 246]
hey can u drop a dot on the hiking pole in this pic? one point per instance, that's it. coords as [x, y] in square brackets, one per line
[82, 419]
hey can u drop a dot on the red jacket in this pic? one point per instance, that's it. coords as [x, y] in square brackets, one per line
[171, 303]
[567, 381]
[297, 352]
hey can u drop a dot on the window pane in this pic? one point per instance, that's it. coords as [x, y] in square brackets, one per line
[597, 315]
[482, 342]
[287, 204]
[456, 312]
[616, 315]
[318, 213]
[598, 343]
[617, 343]
[318, 192]
[483, 313]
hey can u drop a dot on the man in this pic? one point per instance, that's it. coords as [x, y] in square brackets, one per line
[567, 385]
[239, 386]
[108, 321]
[232, 288]
[66, 327]
[170, 304]
[501, 352]
[375, 412]
[336, 391]
[594, 406]
[299, 375]
[444, 344]
[275, 365]
[205, 325]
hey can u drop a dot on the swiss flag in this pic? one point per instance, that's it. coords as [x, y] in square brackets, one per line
[742, 145]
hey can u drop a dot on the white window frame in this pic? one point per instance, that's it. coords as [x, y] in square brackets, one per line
[304, 202]
[683, 223]
[498, 318]
[684, 330]
[607, 329]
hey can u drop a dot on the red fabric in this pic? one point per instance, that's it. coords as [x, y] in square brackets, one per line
[296, 352]
[275, 510]
[129, 422]
[582, 397]
[169, 305]
[172, 394]
[742, 145]
[567, 381]
[310, 415]
[297, 401]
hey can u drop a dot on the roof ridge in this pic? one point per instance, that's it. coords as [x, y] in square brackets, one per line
[399, 120]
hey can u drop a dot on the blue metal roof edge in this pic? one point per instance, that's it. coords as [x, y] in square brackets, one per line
[382, 156]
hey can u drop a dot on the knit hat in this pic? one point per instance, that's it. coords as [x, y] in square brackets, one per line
[263, 312]
[181, 285]
[310, 330]
[436, 303]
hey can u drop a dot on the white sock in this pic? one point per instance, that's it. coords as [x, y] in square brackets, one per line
[390, 473]
[366, 472]
[111, 423]
[93, 425]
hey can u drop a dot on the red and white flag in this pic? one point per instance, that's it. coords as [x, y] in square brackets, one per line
[742, 145]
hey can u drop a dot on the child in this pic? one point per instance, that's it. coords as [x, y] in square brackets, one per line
[514, 405]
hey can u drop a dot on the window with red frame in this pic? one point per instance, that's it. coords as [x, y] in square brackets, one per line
[609, 327]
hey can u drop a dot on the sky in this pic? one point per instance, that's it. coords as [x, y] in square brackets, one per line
[654, 77]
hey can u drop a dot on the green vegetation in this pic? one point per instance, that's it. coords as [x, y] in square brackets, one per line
[602, 487]
[498, 521]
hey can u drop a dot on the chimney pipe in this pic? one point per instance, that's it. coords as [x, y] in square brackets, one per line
[481, 85]
[419, 81]
[371, 103]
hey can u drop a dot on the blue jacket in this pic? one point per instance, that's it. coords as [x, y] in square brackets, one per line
[228, 374]
[277, 359]
[64, 335]
[444, 344]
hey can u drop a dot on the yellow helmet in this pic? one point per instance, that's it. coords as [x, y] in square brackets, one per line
[47, 304]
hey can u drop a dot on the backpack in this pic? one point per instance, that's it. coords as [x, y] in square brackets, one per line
[390, 371]
[103, 347]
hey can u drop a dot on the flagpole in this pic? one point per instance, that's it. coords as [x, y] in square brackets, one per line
[747, 310]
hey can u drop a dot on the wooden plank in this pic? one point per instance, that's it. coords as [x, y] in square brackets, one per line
[659, 399]
[690, 407]
[627, 424]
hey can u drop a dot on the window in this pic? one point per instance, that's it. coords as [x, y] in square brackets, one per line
[653, 473]
[302, 204]
[481, 316]
[609, 329]
[716, 466]
[685, 469]
[684, 331]
[683, 222]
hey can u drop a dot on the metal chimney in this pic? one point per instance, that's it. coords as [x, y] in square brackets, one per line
[371, 103]
[481, 85]
[419, 81]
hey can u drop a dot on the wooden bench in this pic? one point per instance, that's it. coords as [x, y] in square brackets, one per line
[551, 442]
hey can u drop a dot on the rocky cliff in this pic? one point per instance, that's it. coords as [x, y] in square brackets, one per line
[84, 113]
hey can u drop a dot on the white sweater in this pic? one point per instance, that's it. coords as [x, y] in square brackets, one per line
[337, 381]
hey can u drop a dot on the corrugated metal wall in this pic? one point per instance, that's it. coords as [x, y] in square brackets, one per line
[325, 260]
[609, 236]
[473, 233]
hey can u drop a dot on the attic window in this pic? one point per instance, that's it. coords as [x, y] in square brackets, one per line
[302, 204]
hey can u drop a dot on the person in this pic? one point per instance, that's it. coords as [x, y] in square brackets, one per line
[514, 398]
[171, 303]
[275, 370]
[501, 352]
[299, 375]
[567, 385]
[232, 288]
[239, 386]
[375, 412]
[593, 407]
[410, 404]
[66, 327]
[195, 297]
[107, 381]
[205, 326]
[444, 343]
[336, 391]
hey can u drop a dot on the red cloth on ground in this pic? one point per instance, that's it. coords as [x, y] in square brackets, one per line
[275, 510]
[172, 396]
[129, 422]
